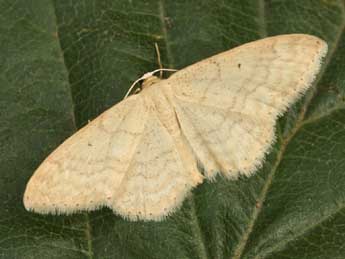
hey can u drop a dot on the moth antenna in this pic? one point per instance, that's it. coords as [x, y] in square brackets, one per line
[145, 76]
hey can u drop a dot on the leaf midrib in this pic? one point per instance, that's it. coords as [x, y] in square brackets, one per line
[88, 235]
[161, 12]
[203, 253]
[300, 123]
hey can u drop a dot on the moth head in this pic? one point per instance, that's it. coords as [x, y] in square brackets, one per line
[151, 80]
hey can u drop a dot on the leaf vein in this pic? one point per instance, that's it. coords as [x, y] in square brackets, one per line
[238, 252]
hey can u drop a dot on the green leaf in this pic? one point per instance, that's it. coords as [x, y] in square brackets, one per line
[64, 62]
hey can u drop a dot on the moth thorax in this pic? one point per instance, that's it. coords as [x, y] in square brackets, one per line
[150, 81]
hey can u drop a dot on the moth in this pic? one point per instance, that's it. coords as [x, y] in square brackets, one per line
[144, 155]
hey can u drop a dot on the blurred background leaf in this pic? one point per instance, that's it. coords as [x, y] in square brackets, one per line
[64, 62]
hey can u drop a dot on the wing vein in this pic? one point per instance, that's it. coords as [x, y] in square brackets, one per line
[285, 141]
